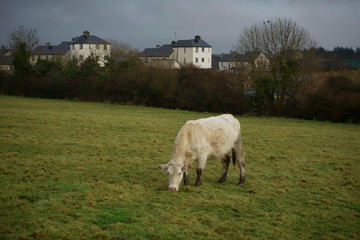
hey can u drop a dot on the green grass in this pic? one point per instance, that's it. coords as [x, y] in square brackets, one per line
[75, 170]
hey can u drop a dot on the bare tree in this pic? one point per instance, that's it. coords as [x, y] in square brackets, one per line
[275, 37]
[23, 35]
[121, 49]
[286, 45]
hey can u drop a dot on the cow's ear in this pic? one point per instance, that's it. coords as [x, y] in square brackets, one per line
[186, 167]
[163, 167]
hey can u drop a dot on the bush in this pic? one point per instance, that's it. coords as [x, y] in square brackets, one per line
[338, 100]
[129, 82]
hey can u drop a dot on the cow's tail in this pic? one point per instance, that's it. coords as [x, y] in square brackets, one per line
[233, 156]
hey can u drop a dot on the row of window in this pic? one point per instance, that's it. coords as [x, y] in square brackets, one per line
[223, 64]
[202, 60]
[54, 57]
[197, 60]
[90, 46]
[197, 49]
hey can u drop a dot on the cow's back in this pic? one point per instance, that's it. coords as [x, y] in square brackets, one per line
[214, 136]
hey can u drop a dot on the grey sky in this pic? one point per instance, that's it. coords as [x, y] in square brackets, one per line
[145, 23]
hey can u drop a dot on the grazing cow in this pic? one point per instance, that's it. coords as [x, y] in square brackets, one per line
[203, 139]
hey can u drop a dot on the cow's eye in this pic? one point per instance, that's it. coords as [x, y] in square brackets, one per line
[179, 174]
[168, 173]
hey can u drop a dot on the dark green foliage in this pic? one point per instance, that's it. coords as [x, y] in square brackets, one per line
[337, 100]
[21, 62]
[128, 82]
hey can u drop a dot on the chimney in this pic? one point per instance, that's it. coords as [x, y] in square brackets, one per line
[86, 34]
[48, 45]
[157, 46]
[197, 38]
[173, 43]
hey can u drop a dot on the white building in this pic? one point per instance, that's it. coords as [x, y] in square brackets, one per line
[194, 51]
[80, 48]
[58, 53]
[87, 45]
[6, 60]
[180, 53]
[161, 57]
[235, 62]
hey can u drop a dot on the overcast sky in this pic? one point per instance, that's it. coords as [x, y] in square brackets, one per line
[145, 23]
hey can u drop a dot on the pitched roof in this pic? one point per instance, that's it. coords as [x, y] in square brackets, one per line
[6, 56]
[191, 43]
[229, 58]
[86, 38]
[235, 57]
[60, 49]
[163, 51]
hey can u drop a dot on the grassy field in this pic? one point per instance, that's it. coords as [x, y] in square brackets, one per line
[75, 170]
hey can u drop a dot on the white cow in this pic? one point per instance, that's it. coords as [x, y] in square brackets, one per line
[203, 139]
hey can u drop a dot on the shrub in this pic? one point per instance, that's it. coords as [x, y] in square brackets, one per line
[338, 100]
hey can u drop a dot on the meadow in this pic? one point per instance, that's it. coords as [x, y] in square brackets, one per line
[80, 170]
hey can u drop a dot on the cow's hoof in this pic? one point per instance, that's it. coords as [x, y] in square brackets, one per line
[221, 180]
[198, 184]
[242, 181]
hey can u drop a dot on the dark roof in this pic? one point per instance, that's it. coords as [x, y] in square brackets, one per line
[86, 38]
[253, 54]
[229, 58]
[235, 57]
[163, 51]
[191, 43]
[6, 56]
[60, 49]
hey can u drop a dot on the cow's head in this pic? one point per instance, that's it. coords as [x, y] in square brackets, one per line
[175, 172]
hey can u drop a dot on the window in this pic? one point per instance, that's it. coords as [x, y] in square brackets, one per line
[196, 60]
[197, 49]
[81, 46]
[203, 49]
[184, 50]
[203, 60]
[97, 46]
[105, 47]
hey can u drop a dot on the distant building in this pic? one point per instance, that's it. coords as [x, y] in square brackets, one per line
[179, 53]
[80, 48]
[6, 60]
[58, 53]
[161, 56]
[235, 62]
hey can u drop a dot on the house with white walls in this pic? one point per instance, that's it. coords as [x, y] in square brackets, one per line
[88, 45]
[56, 53]
[179, 53]
[79, 48]
[195, 52]
[233, 62]
[160, 57]
[6, 60]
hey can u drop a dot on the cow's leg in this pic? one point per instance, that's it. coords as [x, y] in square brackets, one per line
[186, 179]
[238, 153]
[199, 170]
[225, 167]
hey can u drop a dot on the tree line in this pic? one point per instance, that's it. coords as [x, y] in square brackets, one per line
[290, 85]
[129, 82]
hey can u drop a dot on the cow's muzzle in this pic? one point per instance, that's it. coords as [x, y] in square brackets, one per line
[172, 189]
